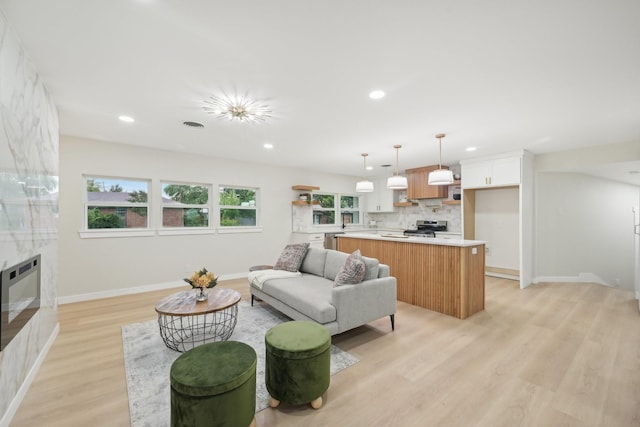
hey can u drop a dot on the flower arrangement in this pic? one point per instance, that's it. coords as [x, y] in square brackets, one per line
[202, 279]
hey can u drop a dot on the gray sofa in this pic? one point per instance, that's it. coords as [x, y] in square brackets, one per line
[314, 297]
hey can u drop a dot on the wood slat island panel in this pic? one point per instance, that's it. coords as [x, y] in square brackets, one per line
[445, 278]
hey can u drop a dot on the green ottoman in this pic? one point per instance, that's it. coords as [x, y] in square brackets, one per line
[297, 363]
[214, 385]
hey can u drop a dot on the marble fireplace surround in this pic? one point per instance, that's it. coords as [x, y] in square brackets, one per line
[28, 209]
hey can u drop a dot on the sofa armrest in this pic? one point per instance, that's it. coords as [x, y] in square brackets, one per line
[364, 302]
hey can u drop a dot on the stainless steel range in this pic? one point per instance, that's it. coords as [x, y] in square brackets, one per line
[426, 228]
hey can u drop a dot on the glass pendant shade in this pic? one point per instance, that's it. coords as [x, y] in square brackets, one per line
[441, 177]
[364, 187]
[397, 182]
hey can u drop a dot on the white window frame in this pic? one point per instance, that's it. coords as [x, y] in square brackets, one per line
[209, 229]
[222, 229]
[87, 232]
[337, 209]
[319, 208]
[359, 210]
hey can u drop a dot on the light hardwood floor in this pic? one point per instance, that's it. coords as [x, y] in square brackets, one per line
[549, 355]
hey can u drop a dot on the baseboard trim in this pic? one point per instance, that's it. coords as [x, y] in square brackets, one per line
[22, 391]
[500, 270]
[136, 290]
[501, 276]
[582, 278]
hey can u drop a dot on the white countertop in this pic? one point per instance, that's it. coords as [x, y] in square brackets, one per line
[350, 230]
[420, 240]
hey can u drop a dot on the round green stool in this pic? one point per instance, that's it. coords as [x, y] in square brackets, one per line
[214, 385]
[297, 363]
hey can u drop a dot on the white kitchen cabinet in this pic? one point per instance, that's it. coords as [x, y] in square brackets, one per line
[499, 172]
[315, 240]
[381, 200]
[488, 177]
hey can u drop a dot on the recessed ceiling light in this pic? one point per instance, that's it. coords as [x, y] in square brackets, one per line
[376, 94]
[471, 148]
[369, 168]
[126, 119]
[193, 124]
[268, 146]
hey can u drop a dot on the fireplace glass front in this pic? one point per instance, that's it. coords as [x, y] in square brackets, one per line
[20, 296]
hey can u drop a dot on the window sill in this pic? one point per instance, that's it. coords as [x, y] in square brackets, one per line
[230, 230]
[107, 233]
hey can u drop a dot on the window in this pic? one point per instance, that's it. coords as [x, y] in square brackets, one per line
[350, 209]
[116, 203]
[238, 207]
[325, 212]
[185, 205]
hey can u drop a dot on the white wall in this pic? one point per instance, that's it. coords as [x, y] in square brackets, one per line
[497, 221]
[573, 160]
[584, 228]
[104, 265]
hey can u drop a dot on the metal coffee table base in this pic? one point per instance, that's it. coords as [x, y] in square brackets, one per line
[182, 333]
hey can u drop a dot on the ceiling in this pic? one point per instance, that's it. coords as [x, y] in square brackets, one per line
[499, 75]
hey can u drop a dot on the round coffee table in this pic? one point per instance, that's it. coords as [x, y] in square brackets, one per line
[186, 323]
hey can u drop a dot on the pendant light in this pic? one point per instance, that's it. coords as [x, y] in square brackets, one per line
[397, 182]
[364, 186]
[440, 176]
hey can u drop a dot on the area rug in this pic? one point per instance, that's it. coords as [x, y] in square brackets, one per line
[147, 362]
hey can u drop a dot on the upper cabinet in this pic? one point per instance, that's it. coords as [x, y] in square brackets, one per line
[381, 200]
[491, 173]
[419, 187]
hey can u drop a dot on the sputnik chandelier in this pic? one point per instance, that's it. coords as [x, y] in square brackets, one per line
[239, 108]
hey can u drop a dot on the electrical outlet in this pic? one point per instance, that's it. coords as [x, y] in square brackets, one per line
[487, 251]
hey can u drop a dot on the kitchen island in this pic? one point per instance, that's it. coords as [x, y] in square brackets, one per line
[443, 275]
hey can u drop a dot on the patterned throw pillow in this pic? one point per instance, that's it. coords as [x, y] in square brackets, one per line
[291, 257]
[352, 270]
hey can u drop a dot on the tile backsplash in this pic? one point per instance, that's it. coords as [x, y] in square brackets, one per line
[406, 217]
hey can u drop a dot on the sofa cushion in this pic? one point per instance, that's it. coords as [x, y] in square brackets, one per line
[314, 261]
[371, 267]
[309, 294]
[334, 263]
[291, 257]
[352, 270]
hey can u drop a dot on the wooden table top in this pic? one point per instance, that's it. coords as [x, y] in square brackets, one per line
[184, 303]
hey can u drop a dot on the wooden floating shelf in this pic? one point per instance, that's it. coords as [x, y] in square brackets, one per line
[451, 202]
[305, 188]
[405, 204]
[304, 202]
